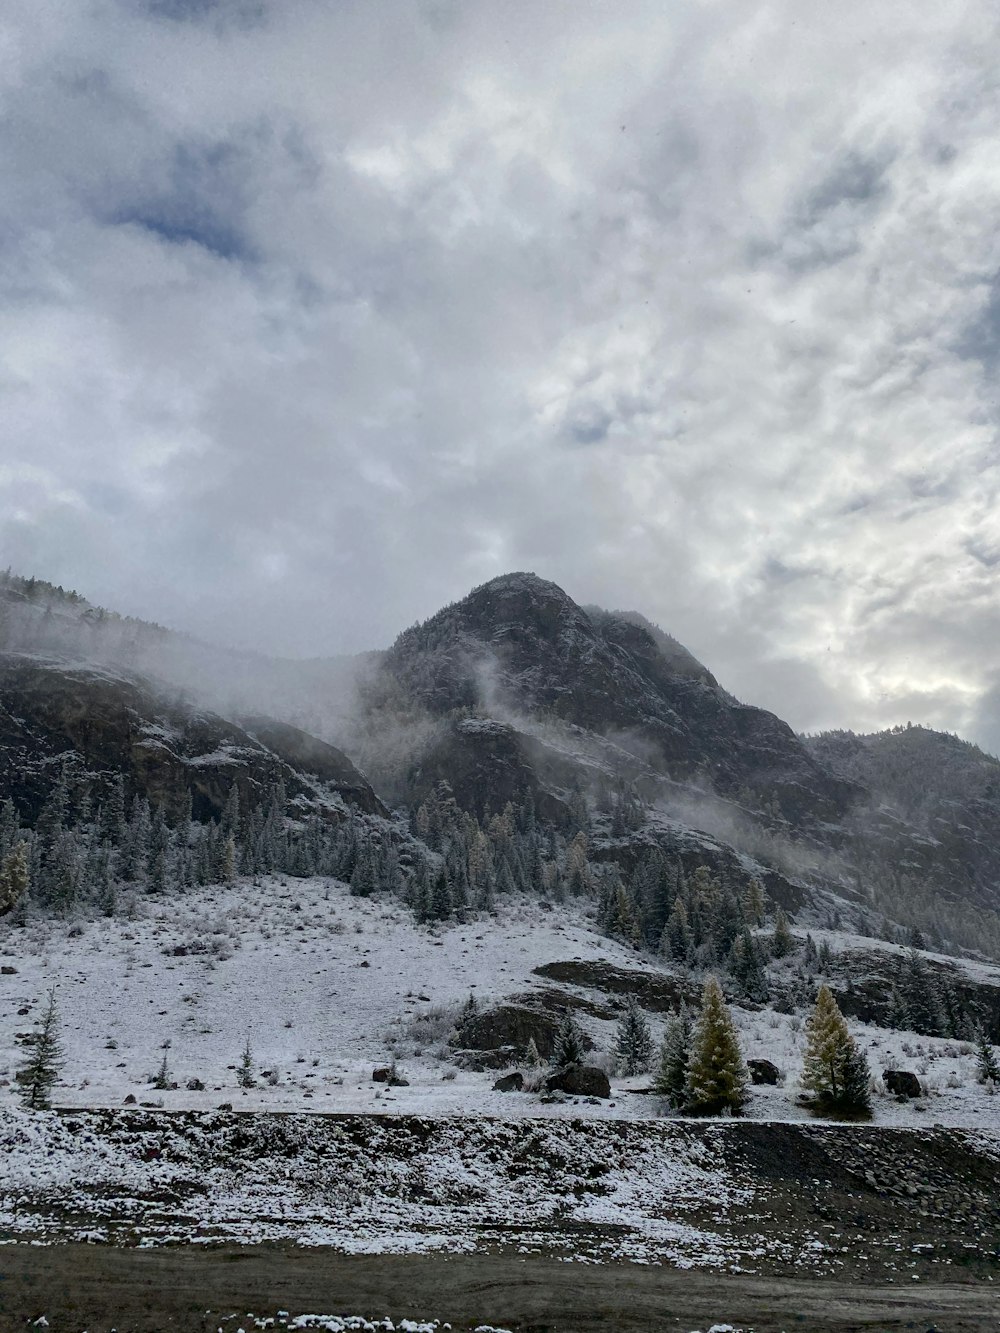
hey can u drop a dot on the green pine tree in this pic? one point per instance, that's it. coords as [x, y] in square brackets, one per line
[568, 1048]
[671, 1073]
[782, 941]
[835, 1070]
[245, 1070]
[633, 1041]
[987, 1066]
[37, 1077]
[717, 1079]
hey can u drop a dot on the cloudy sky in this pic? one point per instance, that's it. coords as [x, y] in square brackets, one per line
[316, 313]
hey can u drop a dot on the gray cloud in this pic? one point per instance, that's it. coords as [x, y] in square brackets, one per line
[314, 316]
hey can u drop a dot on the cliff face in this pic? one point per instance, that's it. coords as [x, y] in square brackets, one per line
[521, 648]
[105, 722]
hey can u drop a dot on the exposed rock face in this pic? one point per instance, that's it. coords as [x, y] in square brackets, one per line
[520, 643]
[902, 1082]
[657, 993]
[579, 1081]
[509, 1027]
[108, 723]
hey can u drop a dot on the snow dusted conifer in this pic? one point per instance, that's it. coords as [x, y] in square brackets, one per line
[245, 1070]
[717, 1078]
[38, 1075]
[987, 1065]
[568, 1048]
[835, 1070]
[782, 940]
[531, 1054]
[671, 1074]
[161, 1079]
[633, 1041]
[14, 876]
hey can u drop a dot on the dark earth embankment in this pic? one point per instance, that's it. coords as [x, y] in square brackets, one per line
[77, 1287]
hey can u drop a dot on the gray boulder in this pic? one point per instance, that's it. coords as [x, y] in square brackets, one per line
[901, 1082]
[763, 1071]
[510, 1082]
[579, 1081]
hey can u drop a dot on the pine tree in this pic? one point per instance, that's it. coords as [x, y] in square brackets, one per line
[568, 1048]
[37, 1077]
[14, 877]
[531, 1053]
[245, 1069]
[754, 905]
[834, 1070]
[717, 1078]
[161, 1079]
[633, 1041]
[782, 941]
[671, 1074]
[987, 1065]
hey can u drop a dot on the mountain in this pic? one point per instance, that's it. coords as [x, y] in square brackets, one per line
[515, 696]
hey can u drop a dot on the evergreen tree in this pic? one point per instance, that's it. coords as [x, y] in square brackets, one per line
[747, 967]
[633, 1041]
[754, 904]
[671, 1074]
[568, 1048]
[987, 1065]
[717, 1078]
[37, 1077]
[162, 1080]
[531, 1053]
[782, 941]
[245, 1070]
[834, 1070]
[14, 877]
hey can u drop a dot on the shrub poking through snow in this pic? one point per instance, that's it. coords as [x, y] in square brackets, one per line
[38, 1075]
[717, 1080]
[633, 1041]
[671, 1073]
[568, 1047]
[835, 1070]
[161, 1079]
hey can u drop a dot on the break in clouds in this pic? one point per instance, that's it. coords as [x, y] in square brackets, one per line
[314, 315]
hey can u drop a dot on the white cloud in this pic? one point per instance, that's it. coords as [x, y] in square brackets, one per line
[317, 315]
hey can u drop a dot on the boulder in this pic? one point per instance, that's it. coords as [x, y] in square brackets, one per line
[510, 1082]
[510, 1026]
[478, 1061]
[763, 1071]
[902, 1082]
[579, 1081]
[389, 1074]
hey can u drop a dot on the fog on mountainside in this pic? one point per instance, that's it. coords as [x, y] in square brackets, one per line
[516, 695]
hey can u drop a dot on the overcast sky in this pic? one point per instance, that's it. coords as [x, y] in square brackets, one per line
[314, 314]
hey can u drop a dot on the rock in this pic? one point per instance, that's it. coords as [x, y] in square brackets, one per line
[8, 971]
[388, 1074]
[902, 1082]
[510, 1026]
[510, 1082]
[763, 1071]
[224, 1106]
[478, 1061]
[195, 1085]
[579, 1081]
[129, 1100]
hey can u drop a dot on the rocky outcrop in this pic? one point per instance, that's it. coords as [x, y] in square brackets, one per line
[103, 722]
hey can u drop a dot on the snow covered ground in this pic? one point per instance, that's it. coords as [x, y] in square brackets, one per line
[327, 986]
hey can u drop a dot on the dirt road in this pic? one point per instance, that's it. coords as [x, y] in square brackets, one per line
[97, 1289]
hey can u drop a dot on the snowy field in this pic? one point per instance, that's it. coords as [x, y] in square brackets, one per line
[326, 987]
